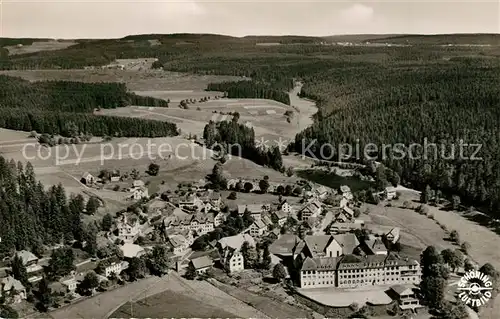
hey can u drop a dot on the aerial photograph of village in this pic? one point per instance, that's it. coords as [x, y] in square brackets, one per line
[197, 159]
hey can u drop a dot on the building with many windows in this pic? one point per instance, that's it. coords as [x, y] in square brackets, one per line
[353, 271]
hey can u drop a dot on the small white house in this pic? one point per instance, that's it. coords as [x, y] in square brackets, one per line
[390, 192]
[202, 264]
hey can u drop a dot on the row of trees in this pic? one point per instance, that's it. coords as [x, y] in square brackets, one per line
[250, 89]
[57, 123]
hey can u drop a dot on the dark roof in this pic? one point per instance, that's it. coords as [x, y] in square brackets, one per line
[284, 245]
[202, 262]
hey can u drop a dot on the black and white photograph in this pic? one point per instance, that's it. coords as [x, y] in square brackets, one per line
[267, 159]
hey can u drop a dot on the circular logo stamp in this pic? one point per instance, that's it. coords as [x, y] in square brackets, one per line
[475, 288]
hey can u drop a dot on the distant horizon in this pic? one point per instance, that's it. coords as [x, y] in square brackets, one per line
[112, 19]
[389, 35]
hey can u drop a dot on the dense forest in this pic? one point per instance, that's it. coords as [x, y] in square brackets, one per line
[251, 89]
[48, 107]
[30, 216]
[374, 94]
[239, 140]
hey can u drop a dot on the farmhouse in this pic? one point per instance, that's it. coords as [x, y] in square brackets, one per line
[406, 296]
[310, 209]
[179, 244]
[13, 290]
[390, 192]
[30, 261]
[255, 210]
[202, 264]
[139, 193]
[258, 228]
[87, 179]
[279, 217]
[374, 246]
[285, 206]
[393, 235]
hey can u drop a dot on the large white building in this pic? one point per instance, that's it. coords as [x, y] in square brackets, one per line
[353, 271]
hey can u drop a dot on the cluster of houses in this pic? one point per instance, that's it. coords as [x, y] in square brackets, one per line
[138, 190]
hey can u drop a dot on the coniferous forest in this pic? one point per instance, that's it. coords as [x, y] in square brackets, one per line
[374, 94]
[239, 140]
[31, 216]
[251, 89]
[46, 107]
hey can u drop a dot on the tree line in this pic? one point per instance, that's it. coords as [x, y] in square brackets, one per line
[48, 107]
[250, 89]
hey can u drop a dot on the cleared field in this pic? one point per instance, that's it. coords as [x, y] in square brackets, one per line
[145, 80]
[39, 46]
[271, 127]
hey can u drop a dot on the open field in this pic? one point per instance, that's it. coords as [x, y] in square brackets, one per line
[39, 46]
[146, 80]
[266, 116]
[195, 295]
[268, 306]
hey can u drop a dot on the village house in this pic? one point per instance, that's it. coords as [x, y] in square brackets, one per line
[346, 192]
[285, 206]
[202, 264]
[390, 192]
[139, 192]
[30, 261]
[312, 208]
[393, 235]
[202, 223]
[115, 267]
[406, 296]
[255, 210]
[70, 283]
[190, 202]
[220, 218]
[87, 179]
[321, 192]
[215, 200]
[344, 202]
[374, 246]
[279, 217]
[230, 251]
[12, 290]
[128, 228]
[352, 271]
[179, 244]
[258, 228]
